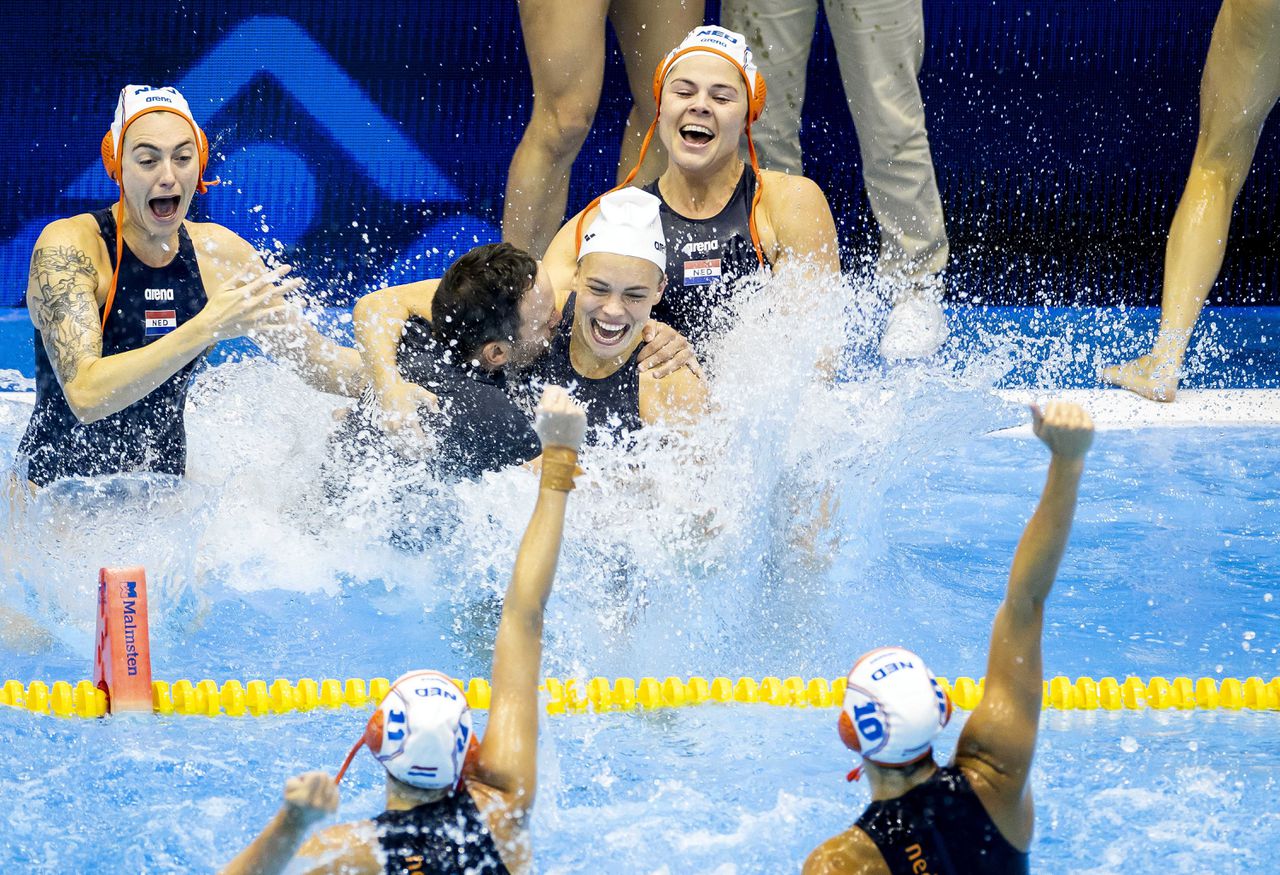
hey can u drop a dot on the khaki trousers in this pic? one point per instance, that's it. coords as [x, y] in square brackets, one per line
[880, 46]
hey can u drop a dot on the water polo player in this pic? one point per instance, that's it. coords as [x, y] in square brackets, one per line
[723, 220]
[125, 301]
[381, 318]
[975, 814]
[565, 46]
[619, 280]
[454, 805]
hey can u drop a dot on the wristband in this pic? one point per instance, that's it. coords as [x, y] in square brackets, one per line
[559, 466]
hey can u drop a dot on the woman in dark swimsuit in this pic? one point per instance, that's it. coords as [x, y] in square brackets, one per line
[723, 220]
[453, 805]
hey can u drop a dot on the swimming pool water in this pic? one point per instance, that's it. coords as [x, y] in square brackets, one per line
[1171, 570]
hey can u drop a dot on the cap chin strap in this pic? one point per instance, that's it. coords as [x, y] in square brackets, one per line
[351, 754]
[115, 169]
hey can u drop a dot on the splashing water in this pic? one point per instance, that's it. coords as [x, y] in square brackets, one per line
[802, 521]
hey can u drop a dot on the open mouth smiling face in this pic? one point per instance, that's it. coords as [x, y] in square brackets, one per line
[164, 208]
[703, 98]
[615, 295]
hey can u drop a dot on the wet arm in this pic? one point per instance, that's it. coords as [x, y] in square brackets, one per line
[677, 400]
[274, 847]
[803, 225]
[508, 755]
[379, 324]
[61, 298]
[323, 363]
[1002, 731]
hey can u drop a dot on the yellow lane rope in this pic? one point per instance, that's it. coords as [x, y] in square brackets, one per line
[573, 696]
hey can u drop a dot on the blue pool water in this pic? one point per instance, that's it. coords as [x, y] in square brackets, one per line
[1171, 571]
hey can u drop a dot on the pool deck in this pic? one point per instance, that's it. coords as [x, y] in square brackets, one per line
[1118, 409]
[1232, 379]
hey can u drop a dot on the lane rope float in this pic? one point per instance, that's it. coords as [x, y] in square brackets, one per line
[600, 695]
[122, 681]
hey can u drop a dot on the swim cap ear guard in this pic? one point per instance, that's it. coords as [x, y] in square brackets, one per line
[893, 709]
[421, 732]
[732, 47]
[139, 100]
[136, 101]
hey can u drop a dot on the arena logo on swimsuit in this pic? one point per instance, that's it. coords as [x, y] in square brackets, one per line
[700, 246]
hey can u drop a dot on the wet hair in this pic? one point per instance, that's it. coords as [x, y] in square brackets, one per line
[478, 299]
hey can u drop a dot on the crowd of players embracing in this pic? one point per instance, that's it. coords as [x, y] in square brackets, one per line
[512, 360]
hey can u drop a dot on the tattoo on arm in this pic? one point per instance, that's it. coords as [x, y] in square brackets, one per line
[61, 295]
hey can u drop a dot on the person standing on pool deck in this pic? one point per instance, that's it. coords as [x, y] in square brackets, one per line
[722, 220]
[1240, 87]
[620, 278]
[565, 45]
[975, 814]
[126, 301]
[453, 805]
[880, 46]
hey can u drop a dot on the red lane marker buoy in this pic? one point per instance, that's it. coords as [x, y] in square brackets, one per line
[122, 654]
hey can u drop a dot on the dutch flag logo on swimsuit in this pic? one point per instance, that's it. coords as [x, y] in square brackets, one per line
[159, 322]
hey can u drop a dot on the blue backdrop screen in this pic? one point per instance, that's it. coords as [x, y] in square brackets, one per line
[369, 142]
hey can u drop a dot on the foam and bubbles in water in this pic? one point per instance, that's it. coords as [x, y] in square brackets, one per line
[802, 521]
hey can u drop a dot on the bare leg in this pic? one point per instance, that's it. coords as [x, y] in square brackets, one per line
[646, 32]
[1239, 88]
[565, 45]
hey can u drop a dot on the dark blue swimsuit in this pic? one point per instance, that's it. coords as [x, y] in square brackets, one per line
[612, 402]
[150, 434]
[705, 260]
[943, 823]
[447, 837]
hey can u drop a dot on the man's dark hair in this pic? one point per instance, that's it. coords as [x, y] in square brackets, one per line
[478, 299]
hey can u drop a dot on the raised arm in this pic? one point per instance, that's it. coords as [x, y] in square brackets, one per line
[508, 755]
[379, 319]
[1000, 738]
[62, 299]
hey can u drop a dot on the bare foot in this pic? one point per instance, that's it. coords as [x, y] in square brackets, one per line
[1147, 376]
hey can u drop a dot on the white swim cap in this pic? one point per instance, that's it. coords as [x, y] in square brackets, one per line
[721, 42]
[628, 224]
[893, 708]
[421, 730]
[136, 101]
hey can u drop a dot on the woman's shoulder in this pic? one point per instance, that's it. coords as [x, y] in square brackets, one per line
[778, 187]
